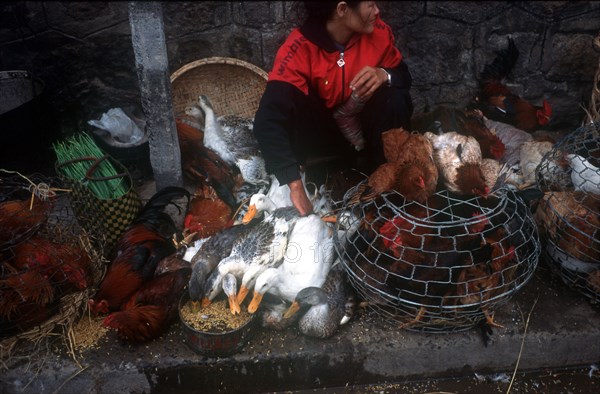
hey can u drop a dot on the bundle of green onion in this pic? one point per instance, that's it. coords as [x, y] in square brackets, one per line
[82, 145]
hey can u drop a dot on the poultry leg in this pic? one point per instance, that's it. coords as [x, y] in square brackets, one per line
[414, 321]
[489, 318]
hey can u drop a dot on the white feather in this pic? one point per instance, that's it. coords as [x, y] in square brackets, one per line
[584, 175]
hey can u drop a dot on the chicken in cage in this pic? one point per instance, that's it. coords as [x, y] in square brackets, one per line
[45, 261]
[443, 265]
[569, 213]
[24, 207]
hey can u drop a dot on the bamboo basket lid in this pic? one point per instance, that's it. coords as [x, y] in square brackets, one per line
[233, 86]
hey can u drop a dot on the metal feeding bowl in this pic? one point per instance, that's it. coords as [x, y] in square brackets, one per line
[215, 343]
[568, 215]
[440, 266]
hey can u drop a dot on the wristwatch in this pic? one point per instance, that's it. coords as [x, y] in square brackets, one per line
[389, 77]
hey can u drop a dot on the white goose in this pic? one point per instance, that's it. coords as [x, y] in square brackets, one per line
[232, 138]
[280, 195]
[307, 261]
[263, 246]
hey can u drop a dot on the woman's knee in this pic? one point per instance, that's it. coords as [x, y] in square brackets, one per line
[388, 109]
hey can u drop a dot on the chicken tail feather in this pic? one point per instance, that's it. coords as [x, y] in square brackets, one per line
[502, 64]
[160, 200]
[362, 193]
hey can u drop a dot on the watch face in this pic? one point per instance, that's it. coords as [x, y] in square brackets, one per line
[389, 77]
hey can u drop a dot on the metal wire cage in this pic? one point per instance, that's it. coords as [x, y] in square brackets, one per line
[47, 272]
[569, 213]
[440, 266]
[23, 208]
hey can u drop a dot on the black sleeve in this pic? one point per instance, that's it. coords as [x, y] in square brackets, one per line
[401, 77]
[272, 127]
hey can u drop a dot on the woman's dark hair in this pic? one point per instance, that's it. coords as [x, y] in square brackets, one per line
[321, 11]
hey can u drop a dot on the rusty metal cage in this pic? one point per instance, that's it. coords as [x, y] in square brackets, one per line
[440, 266]
[569, 213]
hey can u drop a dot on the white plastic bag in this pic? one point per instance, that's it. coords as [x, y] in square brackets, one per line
[119, 125]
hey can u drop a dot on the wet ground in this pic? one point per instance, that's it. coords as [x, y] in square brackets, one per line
[368, 355]
[560, 354]
[571, 381]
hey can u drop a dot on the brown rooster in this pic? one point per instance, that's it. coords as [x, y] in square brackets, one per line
[409, 169]
[43, 271]
[489, 271]
[497, 101]
[202, 165]
[151, 309]
[139, 250]
[208, 214]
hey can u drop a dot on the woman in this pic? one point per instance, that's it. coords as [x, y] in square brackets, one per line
[343, 49]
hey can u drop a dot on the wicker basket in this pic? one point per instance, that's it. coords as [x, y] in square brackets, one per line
[233, 86]
[440, 267]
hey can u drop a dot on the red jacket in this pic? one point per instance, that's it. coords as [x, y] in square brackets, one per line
[306, 65]
[308, 60]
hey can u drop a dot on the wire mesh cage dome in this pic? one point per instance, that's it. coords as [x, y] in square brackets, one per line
[48, 267]
[440, 266]
[568, 215]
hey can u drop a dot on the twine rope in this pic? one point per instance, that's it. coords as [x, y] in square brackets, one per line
[42, 190]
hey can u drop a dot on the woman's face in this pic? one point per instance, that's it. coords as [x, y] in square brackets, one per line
[362, 19]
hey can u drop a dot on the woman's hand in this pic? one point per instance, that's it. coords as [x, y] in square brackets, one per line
[299, 198]
[367, 81]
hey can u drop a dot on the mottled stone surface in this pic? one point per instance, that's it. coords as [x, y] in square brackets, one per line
[83, 50]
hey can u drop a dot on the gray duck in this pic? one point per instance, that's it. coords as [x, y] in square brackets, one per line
[232, 138]
[263, 245]
[213, 250]
[324, 309]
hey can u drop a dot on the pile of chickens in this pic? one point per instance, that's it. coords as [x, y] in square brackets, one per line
[568, 215]
[146, 276]
[446, 232]
[443, 264]
[41, 261]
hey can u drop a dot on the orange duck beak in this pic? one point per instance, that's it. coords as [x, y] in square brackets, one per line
[234, 307]
[329, 219]
[250, 214]
[295, 307]
[256, 300]
[242, 293]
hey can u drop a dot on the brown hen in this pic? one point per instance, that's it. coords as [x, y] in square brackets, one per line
[20, 217]
[469, 122]
[207, 214]
[409, 170]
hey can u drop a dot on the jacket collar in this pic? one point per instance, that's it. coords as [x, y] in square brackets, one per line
[317, 34]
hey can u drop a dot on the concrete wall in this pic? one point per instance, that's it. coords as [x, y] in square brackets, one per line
[83, 51]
